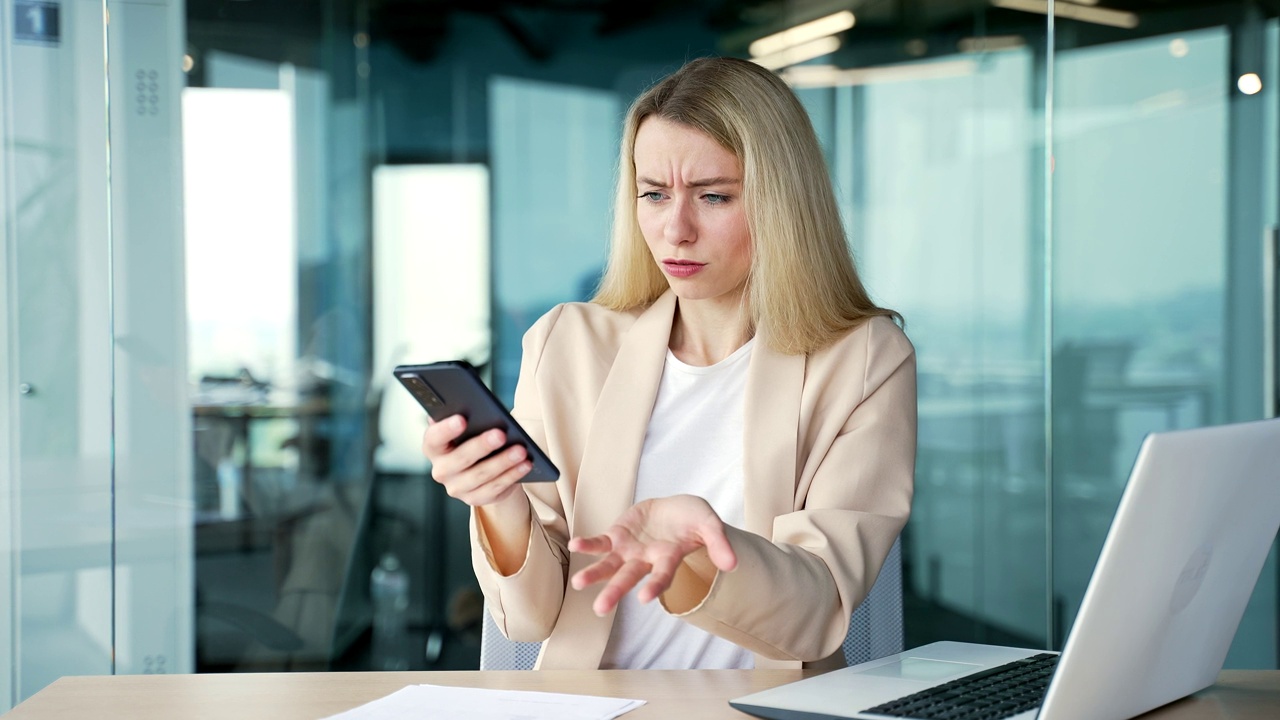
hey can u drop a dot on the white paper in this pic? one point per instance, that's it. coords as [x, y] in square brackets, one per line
[440, 701]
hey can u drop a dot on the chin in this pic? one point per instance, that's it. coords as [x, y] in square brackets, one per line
[695, 294]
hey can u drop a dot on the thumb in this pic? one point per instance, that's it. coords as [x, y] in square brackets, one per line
[718, 548]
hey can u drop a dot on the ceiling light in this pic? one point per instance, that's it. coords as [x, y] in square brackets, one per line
[990, 43]
[1249, 84]
[810, 76]
[799, 53]
[803, 33]
[1072, 11]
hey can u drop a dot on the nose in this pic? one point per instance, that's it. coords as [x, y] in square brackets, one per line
[680, 227]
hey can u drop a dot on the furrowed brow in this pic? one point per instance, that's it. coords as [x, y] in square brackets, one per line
[708, 182]
[705, 182]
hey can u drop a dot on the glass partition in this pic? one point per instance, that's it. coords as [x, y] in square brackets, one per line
[56, 443]
[946, 223]
[1163, 201]
[549, 247]
[279, 274]
[96, 477]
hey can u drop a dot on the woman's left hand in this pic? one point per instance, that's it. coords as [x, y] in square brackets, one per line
[650, 540]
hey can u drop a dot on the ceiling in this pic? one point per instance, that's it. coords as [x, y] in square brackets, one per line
[420, 29]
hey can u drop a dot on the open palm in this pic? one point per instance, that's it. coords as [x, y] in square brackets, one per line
[646, 544]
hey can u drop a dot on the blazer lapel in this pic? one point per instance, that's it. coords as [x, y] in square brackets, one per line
[607, 477]
[771, 429]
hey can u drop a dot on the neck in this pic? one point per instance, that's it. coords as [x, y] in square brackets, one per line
[705, 332]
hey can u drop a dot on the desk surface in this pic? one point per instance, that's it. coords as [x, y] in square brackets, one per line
[700, 694]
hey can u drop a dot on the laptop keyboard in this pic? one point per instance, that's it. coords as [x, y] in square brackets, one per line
[998, 692]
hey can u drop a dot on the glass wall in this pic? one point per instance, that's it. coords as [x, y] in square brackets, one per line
[57, 427]
[966, 274]
[216, 250]
[278, 185]
[1163, 204]
[97, 461]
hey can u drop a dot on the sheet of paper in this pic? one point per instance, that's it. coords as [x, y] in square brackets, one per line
[440, 701]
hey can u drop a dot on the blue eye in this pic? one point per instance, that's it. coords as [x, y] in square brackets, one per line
[652, 196]
[716, 198]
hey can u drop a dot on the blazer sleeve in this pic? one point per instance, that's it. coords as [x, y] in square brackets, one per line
[525, 604]
[823, 558]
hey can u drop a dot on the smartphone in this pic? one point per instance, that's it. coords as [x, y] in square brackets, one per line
[453, 388]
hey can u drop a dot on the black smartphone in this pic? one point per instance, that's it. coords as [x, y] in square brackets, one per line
[454, 388]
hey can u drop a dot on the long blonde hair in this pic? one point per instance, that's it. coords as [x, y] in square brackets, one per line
[803, 291]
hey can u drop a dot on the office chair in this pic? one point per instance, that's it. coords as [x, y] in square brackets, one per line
[875, 630]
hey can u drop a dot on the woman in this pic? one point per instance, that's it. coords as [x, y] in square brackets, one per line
[733, 418]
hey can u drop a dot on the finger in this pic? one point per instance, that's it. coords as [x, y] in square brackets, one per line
[660, 577]
[481, 475]
[718, 548]
[461, 474]
[500, 487]
[471, 452]
[600, 570]
[595, 545]
[631, 573]
[438, 436]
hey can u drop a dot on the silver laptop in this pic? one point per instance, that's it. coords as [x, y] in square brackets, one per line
[1185, 549]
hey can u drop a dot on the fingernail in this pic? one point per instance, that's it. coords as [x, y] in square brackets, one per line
[515, 453]
[455, 422]
[495, 438]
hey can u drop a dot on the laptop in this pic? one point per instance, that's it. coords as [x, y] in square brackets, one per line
[1184, 551]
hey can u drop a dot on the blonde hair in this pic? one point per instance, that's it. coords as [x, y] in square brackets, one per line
[803, 291]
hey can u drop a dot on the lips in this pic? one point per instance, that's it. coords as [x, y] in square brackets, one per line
[681, 268]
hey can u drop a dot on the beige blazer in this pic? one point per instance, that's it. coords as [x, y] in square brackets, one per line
[828, 457]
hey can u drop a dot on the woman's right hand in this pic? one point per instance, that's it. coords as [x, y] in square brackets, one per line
[466, 471]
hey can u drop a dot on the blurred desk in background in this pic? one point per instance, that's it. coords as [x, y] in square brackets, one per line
[223, 428]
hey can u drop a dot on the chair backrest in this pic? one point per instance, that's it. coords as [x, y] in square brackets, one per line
[875, 629]
[499, 653]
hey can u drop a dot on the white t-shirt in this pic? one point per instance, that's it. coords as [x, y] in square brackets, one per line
[693, 446]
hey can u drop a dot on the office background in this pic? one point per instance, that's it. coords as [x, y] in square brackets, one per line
[226, 220]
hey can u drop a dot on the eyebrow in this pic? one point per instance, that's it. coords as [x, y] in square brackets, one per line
[705, 182]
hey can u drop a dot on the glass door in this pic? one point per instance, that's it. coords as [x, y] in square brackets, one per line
[56, 361]
[94, 450]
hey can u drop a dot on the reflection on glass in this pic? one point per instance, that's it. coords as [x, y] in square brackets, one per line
[241, 246]
[944, 226]
[1154, 328]
[285, 411]
[554, 153]
[1139, 274]
[431, 287]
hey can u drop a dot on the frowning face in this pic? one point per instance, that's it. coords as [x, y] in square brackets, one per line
[690, 211]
